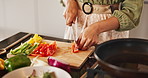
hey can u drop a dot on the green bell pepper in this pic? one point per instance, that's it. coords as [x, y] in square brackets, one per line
[17, 61]
[29, 51]
[21, 49]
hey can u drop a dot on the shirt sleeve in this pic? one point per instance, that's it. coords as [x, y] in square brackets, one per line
[129, 14]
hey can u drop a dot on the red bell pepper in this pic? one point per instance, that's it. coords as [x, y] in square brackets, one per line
[44, 50]
[74, 48]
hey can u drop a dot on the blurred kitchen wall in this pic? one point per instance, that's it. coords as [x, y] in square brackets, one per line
[45, 17]
[141, 31]
[35, 16]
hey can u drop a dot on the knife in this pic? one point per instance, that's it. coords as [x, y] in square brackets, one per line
[74, 32]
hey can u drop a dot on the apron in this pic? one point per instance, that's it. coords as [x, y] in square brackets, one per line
[100, 12]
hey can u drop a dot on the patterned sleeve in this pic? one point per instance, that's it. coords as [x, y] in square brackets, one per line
[129, 14]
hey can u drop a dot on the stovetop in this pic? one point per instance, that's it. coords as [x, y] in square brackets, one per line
[94, 70]
[97, 73]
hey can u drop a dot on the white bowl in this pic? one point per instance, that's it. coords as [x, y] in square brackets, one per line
[27, 71]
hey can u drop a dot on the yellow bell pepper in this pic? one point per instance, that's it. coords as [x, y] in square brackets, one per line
[31, 41]
[2, 64]
[36, 39]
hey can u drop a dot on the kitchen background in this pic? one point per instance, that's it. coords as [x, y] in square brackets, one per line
[46, 17]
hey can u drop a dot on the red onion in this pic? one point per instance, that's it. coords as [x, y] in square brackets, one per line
[57, 63]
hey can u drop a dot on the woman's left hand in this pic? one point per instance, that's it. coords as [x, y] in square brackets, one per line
[88, 37]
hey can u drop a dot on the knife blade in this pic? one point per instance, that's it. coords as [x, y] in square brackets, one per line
[74, 32]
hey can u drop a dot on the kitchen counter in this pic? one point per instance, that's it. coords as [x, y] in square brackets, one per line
[75, 73]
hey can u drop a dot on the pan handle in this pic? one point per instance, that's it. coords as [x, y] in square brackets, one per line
[92, 73]
[94, 70]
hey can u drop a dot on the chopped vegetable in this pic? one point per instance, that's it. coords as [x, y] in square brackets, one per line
[74, 48]
[25, 48]
[29, 51]
[28, 46]
[49, 75]
[16, 62]
[57, 63]
[44, 50]
[31, 41]
[21, 49]
[35, 39]
[2, 64]
[45, 75]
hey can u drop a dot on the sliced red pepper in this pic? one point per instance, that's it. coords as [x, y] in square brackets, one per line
[36, 52]
[51, 49]
[36, 55]
[50, 52]
[42, 48]
[74, 48]
[36, 49]
[45, 50]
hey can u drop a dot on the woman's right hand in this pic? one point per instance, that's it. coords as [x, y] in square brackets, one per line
[71, 12]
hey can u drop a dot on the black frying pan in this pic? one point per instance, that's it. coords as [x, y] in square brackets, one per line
[121, 57]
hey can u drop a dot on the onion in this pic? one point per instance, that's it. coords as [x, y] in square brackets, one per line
[58, 63]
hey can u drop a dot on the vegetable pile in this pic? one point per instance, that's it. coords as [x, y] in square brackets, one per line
[36, 47]
[44, 50]
[25, 48]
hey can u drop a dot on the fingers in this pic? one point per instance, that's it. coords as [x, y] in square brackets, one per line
[74, 20]
[64, 16]
[70, 20]
[71, 12]
[91, 44]
[83, 43]
[87, 44]
[80, 42]
[79, 39]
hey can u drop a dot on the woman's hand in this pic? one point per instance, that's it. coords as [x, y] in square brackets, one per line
[88, 37]
[71, 12]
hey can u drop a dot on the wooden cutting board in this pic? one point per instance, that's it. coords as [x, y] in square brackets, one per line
[64, 53]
